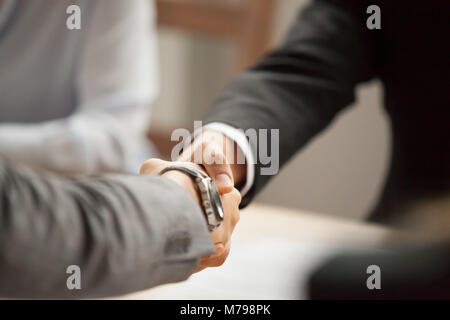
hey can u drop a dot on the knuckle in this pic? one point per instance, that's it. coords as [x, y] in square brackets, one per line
[236, 217]
[219, 261]
[144, 167]
[237, 196]
[149, 166]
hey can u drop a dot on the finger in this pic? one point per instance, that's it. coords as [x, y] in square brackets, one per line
[219, 236]
[218, 251]
[218, 168]
[208, 151]
[217, 260]
[152, 166]
[230, 203]
[237, 197]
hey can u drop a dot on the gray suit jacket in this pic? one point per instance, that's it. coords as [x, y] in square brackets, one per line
[126, 233]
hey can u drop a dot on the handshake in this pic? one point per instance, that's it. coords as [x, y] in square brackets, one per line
[215, 155]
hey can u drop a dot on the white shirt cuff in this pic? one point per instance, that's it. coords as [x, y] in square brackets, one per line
[244, 148]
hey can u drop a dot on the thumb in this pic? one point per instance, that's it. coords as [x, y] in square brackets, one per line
[218, 168]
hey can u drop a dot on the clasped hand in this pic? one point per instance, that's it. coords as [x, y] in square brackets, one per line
[214, 160]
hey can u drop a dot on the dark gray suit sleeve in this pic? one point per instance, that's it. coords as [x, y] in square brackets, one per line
[302, 85]
[126, 233]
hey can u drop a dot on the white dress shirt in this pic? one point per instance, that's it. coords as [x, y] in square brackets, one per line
[77, 100]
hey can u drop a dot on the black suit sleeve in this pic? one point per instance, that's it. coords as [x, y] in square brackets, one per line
[302, 85]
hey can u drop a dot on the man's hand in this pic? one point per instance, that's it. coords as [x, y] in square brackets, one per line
[219, 156]
[221, 236]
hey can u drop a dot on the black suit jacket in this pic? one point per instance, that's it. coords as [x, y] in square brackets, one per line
[300, 87]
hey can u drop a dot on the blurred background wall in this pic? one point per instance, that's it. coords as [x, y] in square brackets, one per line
[340, 173]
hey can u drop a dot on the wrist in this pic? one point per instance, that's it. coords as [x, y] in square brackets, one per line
[203, 189]
[184, 181]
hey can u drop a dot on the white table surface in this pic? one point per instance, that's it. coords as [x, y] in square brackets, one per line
[273, 251]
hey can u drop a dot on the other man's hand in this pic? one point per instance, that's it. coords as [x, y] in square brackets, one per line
[219, 156]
